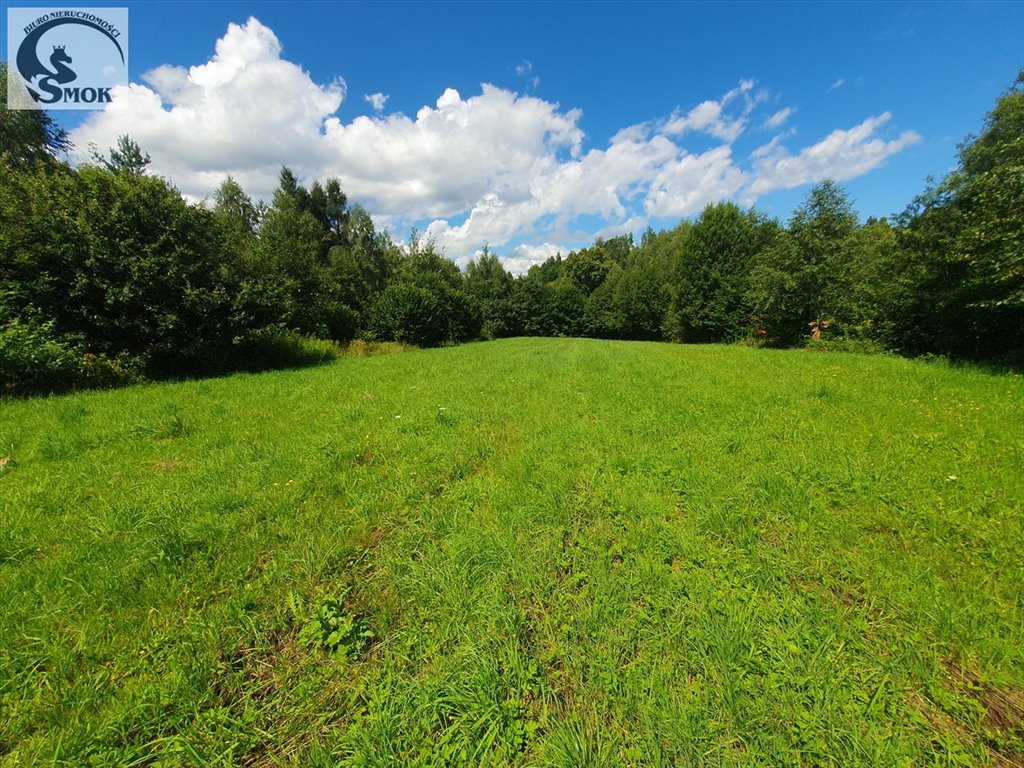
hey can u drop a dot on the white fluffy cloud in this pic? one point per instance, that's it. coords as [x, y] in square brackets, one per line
[519, 260]
[494, 167]
[244, 112]
[376, 100]
[452, 155]
[841, 155]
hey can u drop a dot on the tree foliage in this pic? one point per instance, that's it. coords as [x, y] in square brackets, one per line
[118, 262]
[28, 136]
[711, 287]
[127, 157]
[964, 239]
[107, 273]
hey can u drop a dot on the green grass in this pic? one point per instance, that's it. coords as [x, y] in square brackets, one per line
[524, 552]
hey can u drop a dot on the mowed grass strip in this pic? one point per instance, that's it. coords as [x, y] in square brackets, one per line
[526, 552]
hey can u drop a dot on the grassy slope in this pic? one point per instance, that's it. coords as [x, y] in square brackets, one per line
[569, 552]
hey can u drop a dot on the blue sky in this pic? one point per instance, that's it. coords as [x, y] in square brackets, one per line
[536, 126]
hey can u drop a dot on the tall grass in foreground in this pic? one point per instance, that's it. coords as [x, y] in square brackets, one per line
[525, 552]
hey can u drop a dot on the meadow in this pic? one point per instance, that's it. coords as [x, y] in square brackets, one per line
[526, 552]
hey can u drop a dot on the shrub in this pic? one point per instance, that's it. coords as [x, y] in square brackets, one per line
[279, 348]
[104, 371]
[408, 314]
[34, 359]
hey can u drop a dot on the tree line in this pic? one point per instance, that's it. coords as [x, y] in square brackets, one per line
[107, 275]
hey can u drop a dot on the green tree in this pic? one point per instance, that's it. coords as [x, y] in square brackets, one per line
[285, 271]
[796, 284]
[290, 191]
[587, 268]
[426, 304]
[490, 285]
[964, 242]
[127, 157]
[823, 230]
[423, 262]
[540, 308]
[547, 271]
[236, 213]
[869, 288]
[602, 315]
[329, 206]
[118, 263]
[711, 298]
[642, 296]
[775, 292]
[361, 267]
[486, 278]
[28, 136]
[313, 268]
[553, 309]
[409, 314]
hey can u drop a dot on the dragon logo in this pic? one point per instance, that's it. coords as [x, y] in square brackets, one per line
[57, 83]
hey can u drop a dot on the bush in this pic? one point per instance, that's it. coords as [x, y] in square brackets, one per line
[34, 359]
[407, 314]
[342, 322]
[95, 371]
[119, 262]
[278, 348]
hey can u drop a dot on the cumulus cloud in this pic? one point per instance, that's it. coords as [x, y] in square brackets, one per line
[453, 155]
[519, 260]
[836, 85]
[685, 186]
[711, 117]
[496, 167]
[244, 112]
[376, 100]
[842, 155]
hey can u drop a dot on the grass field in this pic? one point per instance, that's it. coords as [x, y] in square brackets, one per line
[526, 552]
